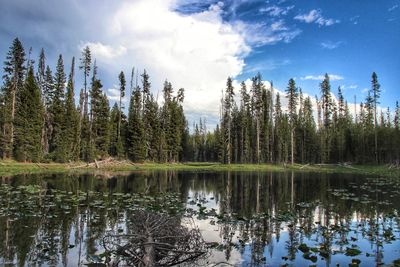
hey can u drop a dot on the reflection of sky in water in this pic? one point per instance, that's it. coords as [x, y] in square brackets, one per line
[318, 200]
[276, 250]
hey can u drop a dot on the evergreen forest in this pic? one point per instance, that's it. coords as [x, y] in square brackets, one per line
[41, 119]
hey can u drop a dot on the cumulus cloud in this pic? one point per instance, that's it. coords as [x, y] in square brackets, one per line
[315, 16]
[114, 93]
[332, 77]
[103, 51]
[196, 52]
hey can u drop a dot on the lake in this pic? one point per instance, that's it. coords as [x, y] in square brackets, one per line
[227, 219]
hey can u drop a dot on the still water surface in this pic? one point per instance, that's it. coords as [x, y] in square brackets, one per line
[246, 218]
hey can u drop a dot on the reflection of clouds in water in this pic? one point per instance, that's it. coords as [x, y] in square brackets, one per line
[329, 199]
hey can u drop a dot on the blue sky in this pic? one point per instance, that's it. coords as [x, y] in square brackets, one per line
[198, 44]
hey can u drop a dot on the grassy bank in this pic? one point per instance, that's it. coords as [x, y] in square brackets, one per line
[12, 167]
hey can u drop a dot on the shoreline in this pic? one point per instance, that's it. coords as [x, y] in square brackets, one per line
[13, 168]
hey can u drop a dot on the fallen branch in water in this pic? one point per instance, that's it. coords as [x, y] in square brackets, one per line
[155, 239]
[304, 166]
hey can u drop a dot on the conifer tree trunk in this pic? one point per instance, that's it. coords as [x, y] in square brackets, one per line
[258, 139]
[14, 91]
[292, 145]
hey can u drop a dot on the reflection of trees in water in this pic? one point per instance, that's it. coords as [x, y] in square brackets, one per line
[153, 239]
[316, 213]
[258, 198]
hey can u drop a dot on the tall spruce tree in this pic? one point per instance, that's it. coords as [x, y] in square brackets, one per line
[57, 112]
[376, 93]
[122, 85]
[99, 123]
[245, 111]
[146, 113]
[86, 61]
[29, 121]
[41, 80]
[135, 129]
[227, 120]
[13, 77]
[326, 108]
[72, 131]
[292, 96]
[114, 120]
[257, 88]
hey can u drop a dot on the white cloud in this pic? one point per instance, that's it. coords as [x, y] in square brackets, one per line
[331, 45]
[278, 26]
[267, 64]
[259, 34]
[393, 7]
[332, 77]
[315, 16]
[349, 87]
[196, 52]
[102, 51]
[276, 11]
[310, 17]
[114, 93]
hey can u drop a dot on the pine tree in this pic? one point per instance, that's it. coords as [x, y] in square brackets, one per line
[57, 112]
[227, 120]
[114, 120]
[41, 80]
[86, 61]
[135, 130]
[376, 91]
[292, 96]
[266, 125]
[178, 123]
[147, 113]
[279, 130]
[257, 87]
[13, 77]
[167, 132]
[85, 145]
[29, 121]
[245, 111]
[122, 85]
[310, 138]
[99, 129]
[71, 131]
[326, 108]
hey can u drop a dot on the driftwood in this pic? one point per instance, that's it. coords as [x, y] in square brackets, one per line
[394, 165]
[41, 166]
[94, 164]
[304, 166]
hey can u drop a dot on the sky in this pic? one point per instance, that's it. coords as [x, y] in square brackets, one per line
[197, 44]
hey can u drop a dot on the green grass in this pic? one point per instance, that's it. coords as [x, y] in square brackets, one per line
[11, 167]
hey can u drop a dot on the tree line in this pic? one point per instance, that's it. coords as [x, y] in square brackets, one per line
[40, 121]
[258, 130]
